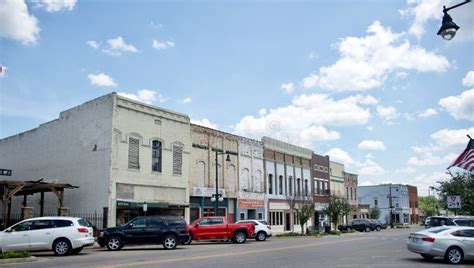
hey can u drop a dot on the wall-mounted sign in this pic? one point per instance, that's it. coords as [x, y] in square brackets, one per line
[207, 192]
[250, 203]
[5, 172]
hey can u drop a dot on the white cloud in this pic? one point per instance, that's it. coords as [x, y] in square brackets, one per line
[424, 181]
[262, 112]
[407, 170]
[339, 155]
[387, 112]
[366, 183]
[423, 11]
[371, 145]
[16, 23]
[313, 55]
[55, 5]
[162, 44]
[430, 160]
[288, 88]
[204, 122]
[186, 100]
[446, 140]
[460, 107]
[468, 79]
[428, 113]
[101, 80]
[370, 168]
[93, 44]
[370, 128]
[145, 95]
[305, 120]
[117, 46]
[365, 62]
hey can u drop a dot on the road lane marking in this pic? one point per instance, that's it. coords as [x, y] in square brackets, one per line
[154, 262]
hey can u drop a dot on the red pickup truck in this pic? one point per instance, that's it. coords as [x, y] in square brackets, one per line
[218, 228]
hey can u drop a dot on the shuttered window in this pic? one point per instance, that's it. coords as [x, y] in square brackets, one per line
[177, 160]
[133, 153]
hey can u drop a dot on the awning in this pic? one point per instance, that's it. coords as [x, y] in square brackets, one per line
[139, 204]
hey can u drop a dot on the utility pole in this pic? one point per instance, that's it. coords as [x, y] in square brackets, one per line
[391, 206]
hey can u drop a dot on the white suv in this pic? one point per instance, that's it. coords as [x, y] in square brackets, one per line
[62, 235]
[262, 229]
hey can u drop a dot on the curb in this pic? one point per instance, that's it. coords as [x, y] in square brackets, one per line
[17, 260]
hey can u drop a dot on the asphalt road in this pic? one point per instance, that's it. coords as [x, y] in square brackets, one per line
[375, 249]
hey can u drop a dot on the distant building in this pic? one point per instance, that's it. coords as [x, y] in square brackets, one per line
[320, 173]
[350, 182]
[413, 202]
[378, 196]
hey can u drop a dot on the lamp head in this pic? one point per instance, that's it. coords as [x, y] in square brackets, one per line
[448, 28]
[228, 157]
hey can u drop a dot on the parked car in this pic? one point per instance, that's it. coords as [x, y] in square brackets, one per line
[377, 225]
[262, 229]
[217, 228]
[454, 244]
[153, 230]
[361, 225]
[62, 235]
[427, 221]
[450, 221]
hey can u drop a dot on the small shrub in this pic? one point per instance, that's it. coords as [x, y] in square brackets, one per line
[14, 254]
[290, 234]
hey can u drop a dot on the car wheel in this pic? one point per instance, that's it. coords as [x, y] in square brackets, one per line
[261, 236]
[240, 237]
[190, 240]
[378, 228]
[427, 257]
[114, 243]
[62, 247]
[170, 242]
[367, 229]
[454, 255]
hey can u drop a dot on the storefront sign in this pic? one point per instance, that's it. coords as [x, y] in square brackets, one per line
[320, 206]
[250, 203]
[123, 204]
[207, 192]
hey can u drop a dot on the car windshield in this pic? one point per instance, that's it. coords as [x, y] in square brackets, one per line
[263, 222]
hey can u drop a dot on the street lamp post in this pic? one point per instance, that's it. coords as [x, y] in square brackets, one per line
[448, 28]
[218, 197]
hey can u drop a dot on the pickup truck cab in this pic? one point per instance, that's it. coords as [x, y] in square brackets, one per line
[217, 228]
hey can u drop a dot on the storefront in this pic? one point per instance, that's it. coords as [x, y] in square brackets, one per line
[251, 209]
[202, 205]
[129, 209]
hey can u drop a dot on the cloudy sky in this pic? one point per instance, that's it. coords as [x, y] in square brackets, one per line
[367, 82]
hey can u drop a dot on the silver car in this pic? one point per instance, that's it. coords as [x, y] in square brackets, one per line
[454, 244]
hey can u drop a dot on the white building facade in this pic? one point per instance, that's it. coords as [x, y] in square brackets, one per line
[251, 200]
[121, 153]
[378, 196]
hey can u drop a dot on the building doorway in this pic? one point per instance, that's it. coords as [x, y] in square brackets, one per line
[287, 222]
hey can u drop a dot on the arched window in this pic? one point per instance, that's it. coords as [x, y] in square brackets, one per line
[230, 179]
[291, 185]
[133, 153]
[270, 183]
[298, 182]
[245, 180]
[306, 187]
[156, 158]
[200, 173]
[258, 181]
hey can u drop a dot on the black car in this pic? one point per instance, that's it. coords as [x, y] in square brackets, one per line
[362, 225]
[165, 230]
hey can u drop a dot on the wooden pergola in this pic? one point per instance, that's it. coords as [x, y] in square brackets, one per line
[11, 188]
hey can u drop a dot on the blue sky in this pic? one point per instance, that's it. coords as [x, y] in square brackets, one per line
[367, 82]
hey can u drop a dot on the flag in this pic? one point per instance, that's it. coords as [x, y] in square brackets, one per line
[466, 159]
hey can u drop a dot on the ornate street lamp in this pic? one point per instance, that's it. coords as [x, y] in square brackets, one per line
[448, 28]
[216, 198]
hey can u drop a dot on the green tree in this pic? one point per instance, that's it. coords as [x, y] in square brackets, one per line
[375, 213]
[430, 205]
[303, 207]
[462, 185]
[336, 209]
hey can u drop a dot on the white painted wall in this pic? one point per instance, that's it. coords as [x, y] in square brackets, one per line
[62, 150]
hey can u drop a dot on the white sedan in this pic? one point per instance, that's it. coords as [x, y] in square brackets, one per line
[262, 229]
[62, 235]
[454, 244]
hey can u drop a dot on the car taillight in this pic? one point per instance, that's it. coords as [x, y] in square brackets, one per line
[269, 227]
[428, 239]
[82, 230]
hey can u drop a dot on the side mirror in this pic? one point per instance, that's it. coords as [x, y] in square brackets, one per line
[8, 230]
[197, 224]
[130, 225]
